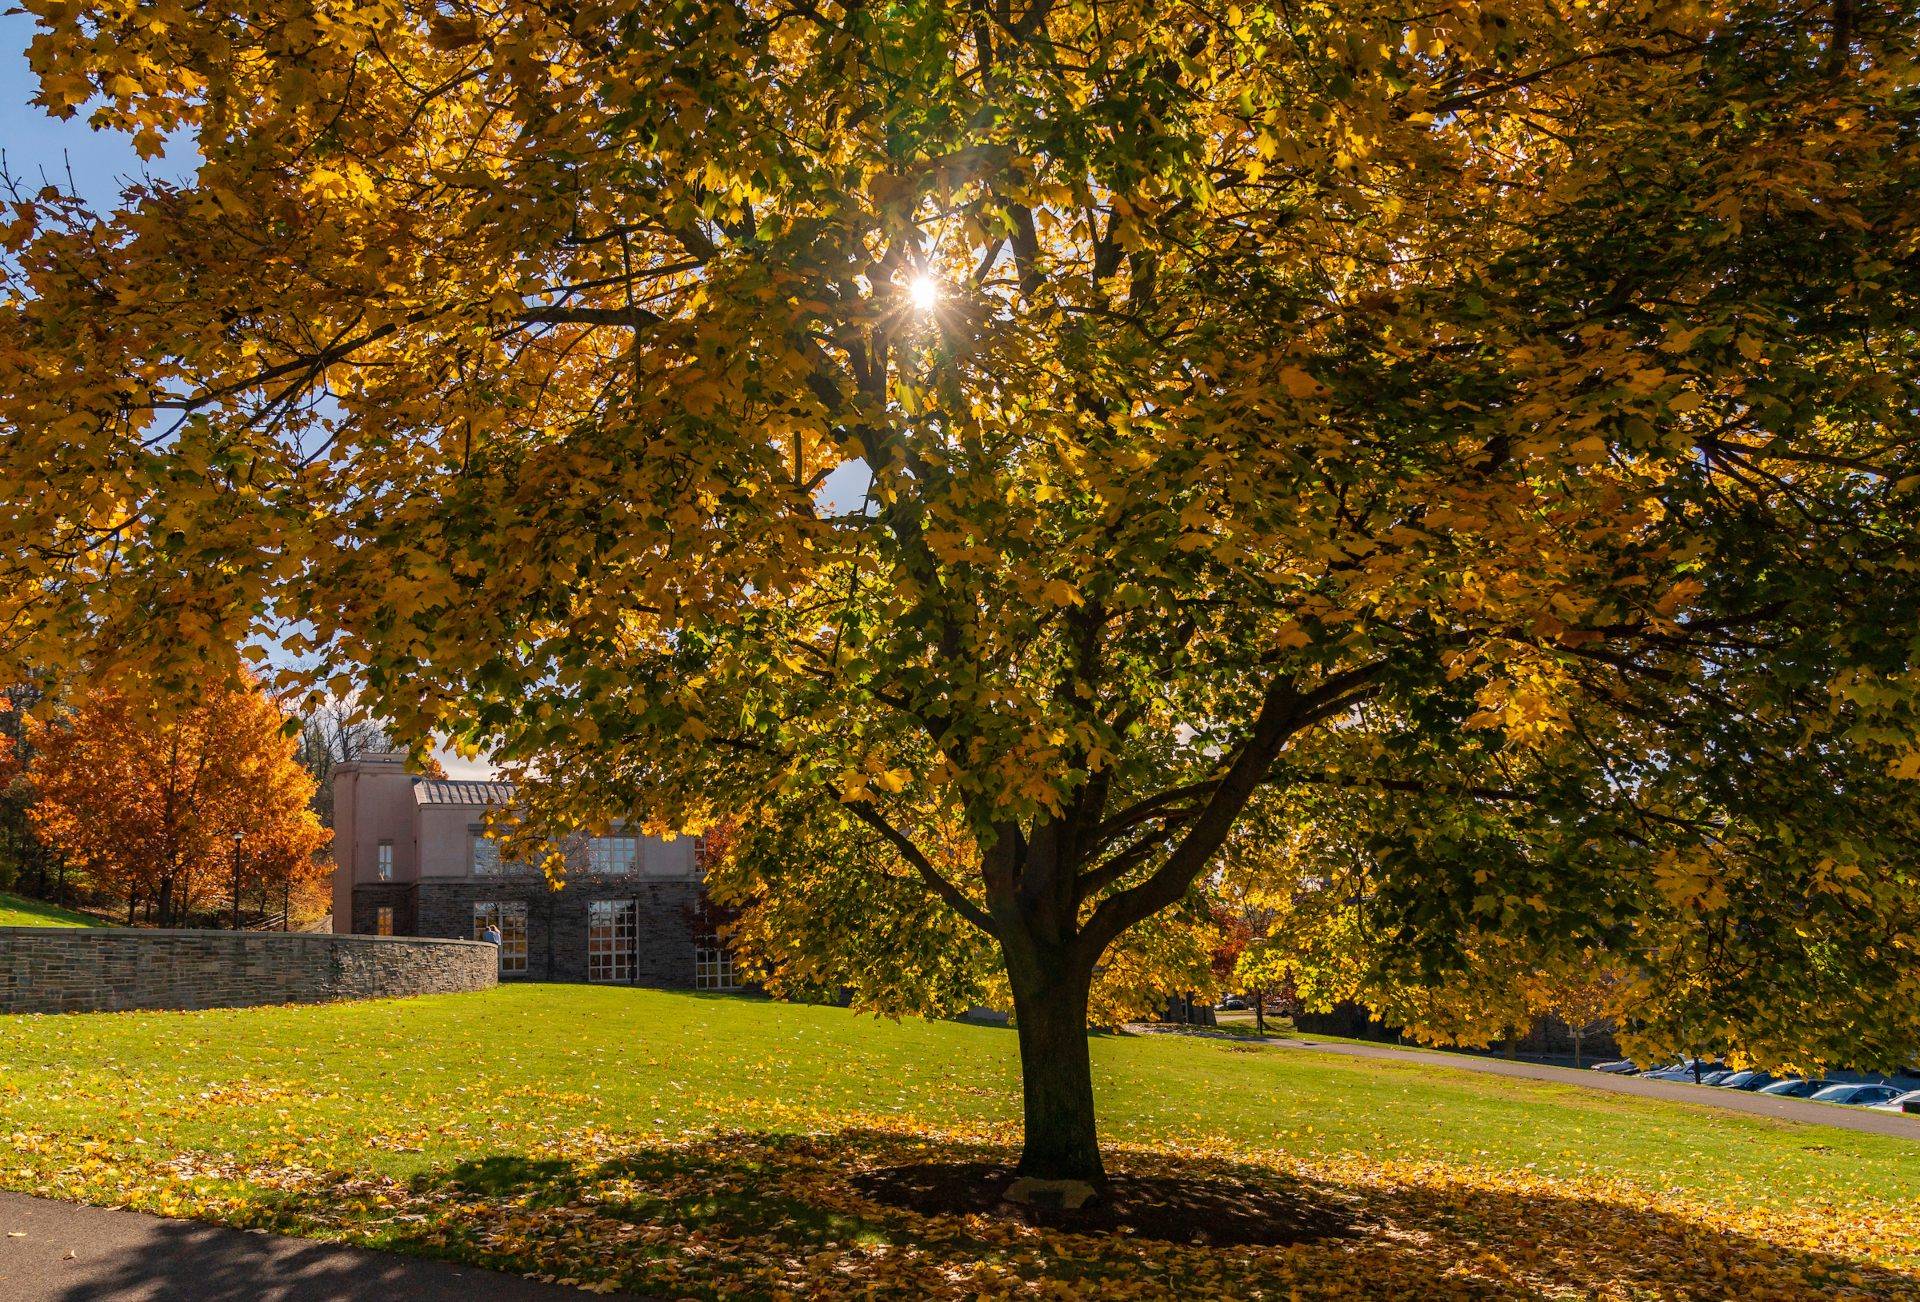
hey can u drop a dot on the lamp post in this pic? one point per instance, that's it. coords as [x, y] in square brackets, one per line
[238, 836]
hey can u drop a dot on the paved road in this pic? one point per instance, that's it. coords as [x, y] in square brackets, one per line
[1867, 1120]
[60, 1252]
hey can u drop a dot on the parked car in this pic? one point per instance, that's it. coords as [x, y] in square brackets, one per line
[1910, 1101]
[1685, 1071]
[1623, 1067]
[1714, 1077]
[1745, 1080]
[1232, 1004]
[1794, 1088]
[1855, 1095]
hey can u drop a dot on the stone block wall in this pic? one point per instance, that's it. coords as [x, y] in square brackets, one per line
[666, 914]
[368, 898]
[86, 969]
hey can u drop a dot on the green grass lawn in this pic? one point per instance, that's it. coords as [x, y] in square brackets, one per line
[18, 911]
[690, 1145]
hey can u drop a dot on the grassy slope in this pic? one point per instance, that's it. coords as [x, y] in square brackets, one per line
[18, 911]
[411, 1089]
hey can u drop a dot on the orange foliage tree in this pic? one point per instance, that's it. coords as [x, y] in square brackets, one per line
[171, 811]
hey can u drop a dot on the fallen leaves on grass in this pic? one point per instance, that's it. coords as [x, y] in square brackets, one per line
[770, 1212]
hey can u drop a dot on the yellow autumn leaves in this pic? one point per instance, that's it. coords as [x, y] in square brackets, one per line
[743, 1213]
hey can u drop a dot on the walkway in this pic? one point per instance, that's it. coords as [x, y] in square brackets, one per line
[1866, 1120]
[61, 1252]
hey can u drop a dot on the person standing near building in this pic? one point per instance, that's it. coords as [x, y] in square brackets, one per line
[492, 936]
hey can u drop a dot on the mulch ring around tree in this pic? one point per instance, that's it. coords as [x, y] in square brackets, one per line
[1197, 1210]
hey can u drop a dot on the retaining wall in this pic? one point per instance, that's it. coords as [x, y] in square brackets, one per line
[103, 969]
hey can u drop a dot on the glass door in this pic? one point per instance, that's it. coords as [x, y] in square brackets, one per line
[610, 937]
[511, 918]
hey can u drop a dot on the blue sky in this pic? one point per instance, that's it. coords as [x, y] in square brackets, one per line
[100, 163]
[37, 145]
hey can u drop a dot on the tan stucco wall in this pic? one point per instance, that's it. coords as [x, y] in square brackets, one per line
[667, 858]
[382, 799]
[372, 802]
[443, 837]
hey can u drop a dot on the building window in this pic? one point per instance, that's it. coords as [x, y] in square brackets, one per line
[610, 935]
[383, 860]
[483, 854]
[511, 917]
[613, 854]
[485, 860]
[383, 920]
[713, 965]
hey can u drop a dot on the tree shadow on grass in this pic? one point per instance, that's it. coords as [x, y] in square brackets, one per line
[1183, 1209]
[875, 1213]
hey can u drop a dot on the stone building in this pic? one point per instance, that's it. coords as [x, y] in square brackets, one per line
[413, 858]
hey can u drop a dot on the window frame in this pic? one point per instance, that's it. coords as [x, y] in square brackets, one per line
[383, 860]
[513, 941]
[616, 854]
[613, 941]
[713, 966]
[484, 864]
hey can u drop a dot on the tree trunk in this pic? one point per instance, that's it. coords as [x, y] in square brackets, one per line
[1056, 1072]
[1260, 1013]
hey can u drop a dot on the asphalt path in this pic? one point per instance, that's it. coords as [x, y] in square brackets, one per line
[63, 1252]
[1866, 1120]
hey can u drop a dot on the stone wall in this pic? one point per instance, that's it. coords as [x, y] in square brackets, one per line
[86, 969]
[369, 897]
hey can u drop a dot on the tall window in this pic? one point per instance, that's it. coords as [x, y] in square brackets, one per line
[511, 917]
[383, 920]
[713, 965]
[383, 860]
[610, 940]
[613, 854]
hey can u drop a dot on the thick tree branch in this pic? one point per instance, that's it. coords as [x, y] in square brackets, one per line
[938, 884]
[630, 317]
[1125, 860]
[1150, 807]
[1284, 712]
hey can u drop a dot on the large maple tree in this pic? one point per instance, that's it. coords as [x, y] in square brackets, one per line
[1503, 415]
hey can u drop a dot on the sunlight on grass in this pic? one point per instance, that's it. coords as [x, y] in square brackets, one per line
[593, 1134]
[18, 911]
